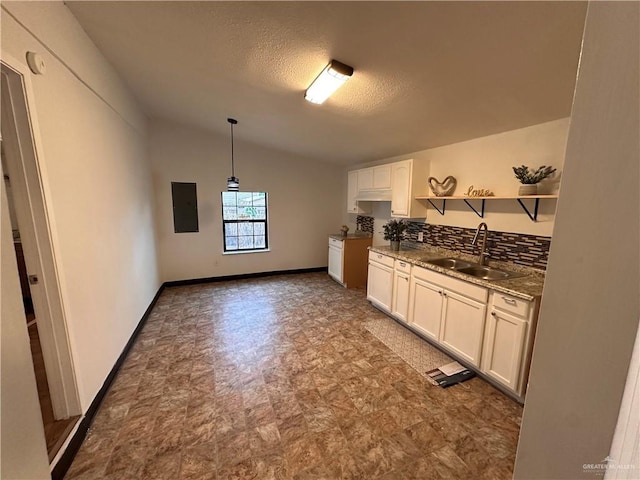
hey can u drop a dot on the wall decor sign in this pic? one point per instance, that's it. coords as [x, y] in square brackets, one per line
[479, 192]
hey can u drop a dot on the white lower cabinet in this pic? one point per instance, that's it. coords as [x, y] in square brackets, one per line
[380, 280]
[463, 326]
[508, 341]
[492, 332]
[450, 311]
[425, 307]
[504, 345]
[400, 304]
[335, 259]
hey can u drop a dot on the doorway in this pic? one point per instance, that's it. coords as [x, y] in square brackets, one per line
[43, 307]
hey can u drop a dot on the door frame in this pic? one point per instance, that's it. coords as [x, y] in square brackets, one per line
[23, 148]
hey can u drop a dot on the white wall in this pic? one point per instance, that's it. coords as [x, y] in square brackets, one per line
[486, 163]
[306, 201]
[97, 184]
[589, 311]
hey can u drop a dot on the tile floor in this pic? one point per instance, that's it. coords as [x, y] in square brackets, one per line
[276, 378]
[55, 431]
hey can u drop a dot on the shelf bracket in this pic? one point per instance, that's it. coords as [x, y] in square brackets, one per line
[444, 202]
[534, 217]
[479, 213]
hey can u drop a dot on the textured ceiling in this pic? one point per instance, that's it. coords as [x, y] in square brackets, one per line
[426, 73]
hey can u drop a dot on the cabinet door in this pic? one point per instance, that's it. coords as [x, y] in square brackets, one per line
[425, 307]
[401, 188]
[463, 326]
[365, 179]
[335, 263]
[400, 295]
[504, 343]
[379, 285]
[352, 191]
[382, 177]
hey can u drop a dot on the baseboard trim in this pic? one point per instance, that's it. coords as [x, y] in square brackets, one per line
[243, 276]
[61, 468]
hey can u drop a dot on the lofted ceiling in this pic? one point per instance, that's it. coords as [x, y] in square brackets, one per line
[426, 73]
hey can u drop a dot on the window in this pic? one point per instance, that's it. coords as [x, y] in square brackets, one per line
[244, 221]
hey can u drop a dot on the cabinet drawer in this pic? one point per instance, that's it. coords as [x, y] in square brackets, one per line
[335, 243]
[467, 289]
[402, 266]
[511, 304]
[379, 258]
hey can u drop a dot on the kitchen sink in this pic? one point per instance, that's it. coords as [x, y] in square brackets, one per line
[450, 263]
[487, 273]
[472, 269]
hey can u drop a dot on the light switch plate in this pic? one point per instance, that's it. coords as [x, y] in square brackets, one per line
[420, 236]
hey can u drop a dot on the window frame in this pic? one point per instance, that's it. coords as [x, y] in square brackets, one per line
[264, 221]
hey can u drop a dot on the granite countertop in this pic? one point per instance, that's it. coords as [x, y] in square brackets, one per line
[528, 287]
[350, 236]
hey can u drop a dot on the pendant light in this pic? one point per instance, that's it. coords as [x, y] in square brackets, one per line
[233, 182]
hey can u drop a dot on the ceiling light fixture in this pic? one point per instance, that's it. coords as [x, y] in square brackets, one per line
[329, 80]
[233, 182]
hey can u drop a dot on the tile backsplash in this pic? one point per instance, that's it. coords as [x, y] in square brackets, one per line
[518, 248]
[364, 224]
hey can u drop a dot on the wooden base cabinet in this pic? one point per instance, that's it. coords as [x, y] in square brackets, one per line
[508, 341]
[348, 260]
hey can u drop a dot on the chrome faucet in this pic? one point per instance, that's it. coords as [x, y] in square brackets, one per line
[483, 246]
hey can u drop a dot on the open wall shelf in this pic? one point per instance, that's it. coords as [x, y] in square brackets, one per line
[476, 204]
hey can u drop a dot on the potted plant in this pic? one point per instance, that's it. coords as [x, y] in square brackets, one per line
[394, 232]
[529, 178]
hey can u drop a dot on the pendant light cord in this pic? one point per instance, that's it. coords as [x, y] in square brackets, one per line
[233, 171]
[232, 122]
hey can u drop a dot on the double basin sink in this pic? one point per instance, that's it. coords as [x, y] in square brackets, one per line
[473, 269]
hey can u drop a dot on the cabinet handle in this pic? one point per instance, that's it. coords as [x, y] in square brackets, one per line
[379, 256]
[493, 314]
[445, 294]
[509, 301]
[440, 292]
[402, 264]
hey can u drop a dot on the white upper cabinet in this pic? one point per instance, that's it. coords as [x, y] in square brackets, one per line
[353, 180]
[404, 182]
[365, 179]
[398, 182]
[382, 177]
[401, 188]
[374, 178]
